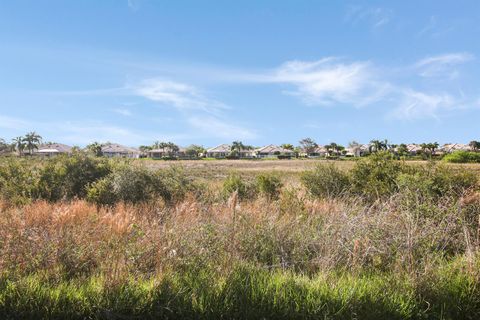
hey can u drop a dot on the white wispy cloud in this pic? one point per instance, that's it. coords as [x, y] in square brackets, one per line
[419, 105]
[7, 122]
[375, 16]
[134, 5]
[85, 132]
[220, 128]
[442, 65]
[179, 95]
[123, 112]
[328, 81]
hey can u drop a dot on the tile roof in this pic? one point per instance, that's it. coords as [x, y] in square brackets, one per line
[54, 148]
[117, 148]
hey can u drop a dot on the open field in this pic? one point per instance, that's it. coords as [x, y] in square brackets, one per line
[84, 237]
[219, 169]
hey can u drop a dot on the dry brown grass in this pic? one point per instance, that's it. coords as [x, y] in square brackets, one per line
[294, 232]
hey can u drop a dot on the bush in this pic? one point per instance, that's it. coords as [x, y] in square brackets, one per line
[234, 183]
[17, 181]
[434, 181]
[376, 176]
[137, 184]
[268, 185]
[462, 157]
[326, 181]
[68, 177]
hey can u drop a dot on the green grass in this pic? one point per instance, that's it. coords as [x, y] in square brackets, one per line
[245, 293]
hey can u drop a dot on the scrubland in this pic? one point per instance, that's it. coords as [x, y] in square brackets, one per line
[83, 237]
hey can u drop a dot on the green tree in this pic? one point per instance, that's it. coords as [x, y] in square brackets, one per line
[32, 141]
[287, 146]
[195, 150]
[19, 144]
[402, 150]
[475, 145]
[308, 145]
[95, 148]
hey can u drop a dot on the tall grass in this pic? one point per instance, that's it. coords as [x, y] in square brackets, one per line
[404, 249]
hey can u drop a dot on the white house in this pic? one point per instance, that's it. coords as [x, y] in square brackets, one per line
[272, 151]
[167, 152]
[317, 152]
[219, 152]
[113, 150]
[53, 149]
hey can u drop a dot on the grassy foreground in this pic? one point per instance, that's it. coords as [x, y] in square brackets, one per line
[246, 293]
[86, 238]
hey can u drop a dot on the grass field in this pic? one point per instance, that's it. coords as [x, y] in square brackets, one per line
[83, 237]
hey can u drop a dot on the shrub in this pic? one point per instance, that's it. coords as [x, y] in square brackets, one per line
[234, 183]
[325, 181]
[376, 176]
[137, 184]
[269, 185]
[17, 181]
[462, 157]
[68, 177]
[435, 181]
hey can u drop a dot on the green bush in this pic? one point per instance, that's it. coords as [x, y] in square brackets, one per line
[435, 181]
[67, 177]
[17, 181]
[462, 157]
[268, 185]
[376, 176]
[326, 181]
[235, 183]
[133, 184]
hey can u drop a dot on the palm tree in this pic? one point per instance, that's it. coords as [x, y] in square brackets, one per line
[19, 145]
[375, 146]
[432, 147]
[475, 145]
[237, 147]
[32, 140]
[95, 148]
[172, 149]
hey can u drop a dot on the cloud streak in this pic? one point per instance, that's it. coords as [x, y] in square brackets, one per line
[179, 95]
[375, 16]
[442, 65]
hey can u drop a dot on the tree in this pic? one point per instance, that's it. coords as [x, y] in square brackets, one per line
[402, 150]
[145, 148]
[95, 148]
[19, 144]
[433, 147]
[355, 147]
[336, 148]
[377, 145]
[32, 141]
[3, 146]
[287, 146]
[308, 145]
[475, 145]
[194, 150]
[237, 147]
[429, 148]
[169, 147]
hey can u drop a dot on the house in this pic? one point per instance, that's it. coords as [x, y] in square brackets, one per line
[452, 147]
[168, 152]
[219, 152]
[53, 149]
[273, 151]
[414, 149]
[113, 150]
[317, 152]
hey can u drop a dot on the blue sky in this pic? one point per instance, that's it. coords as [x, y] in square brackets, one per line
[209, 72]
